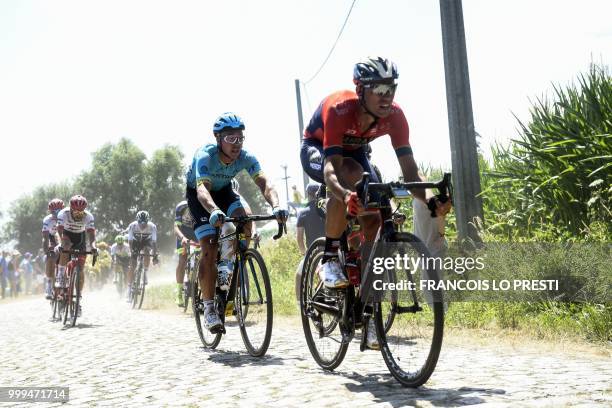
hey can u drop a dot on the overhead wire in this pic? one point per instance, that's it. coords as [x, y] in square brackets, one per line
[333, 46]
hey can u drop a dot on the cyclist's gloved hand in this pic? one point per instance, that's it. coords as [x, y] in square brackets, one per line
[184, 241]
[155, 259]
[280, 213]
[216, 218]
[353, 204]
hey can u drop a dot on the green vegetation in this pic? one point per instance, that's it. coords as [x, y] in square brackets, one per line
[553, 182]
[121, 182]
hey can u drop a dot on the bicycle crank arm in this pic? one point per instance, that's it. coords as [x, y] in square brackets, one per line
[323, 308]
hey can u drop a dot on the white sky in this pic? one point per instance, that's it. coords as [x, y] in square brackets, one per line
[77, 74]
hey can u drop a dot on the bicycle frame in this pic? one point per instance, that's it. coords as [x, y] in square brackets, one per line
[359, 306]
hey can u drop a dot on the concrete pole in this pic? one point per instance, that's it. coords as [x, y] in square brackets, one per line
[464, 155]
[298, 97]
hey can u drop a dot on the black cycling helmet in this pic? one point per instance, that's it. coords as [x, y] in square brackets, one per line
[142, 217]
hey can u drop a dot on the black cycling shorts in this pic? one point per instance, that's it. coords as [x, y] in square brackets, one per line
[136, 246]
[77, 240]
[226, 199]
[312, 158]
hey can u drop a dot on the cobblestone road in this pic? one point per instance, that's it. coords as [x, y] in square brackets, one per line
[120, 357]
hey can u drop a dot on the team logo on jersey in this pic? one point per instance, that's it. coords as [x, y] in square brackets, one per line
[356, 140]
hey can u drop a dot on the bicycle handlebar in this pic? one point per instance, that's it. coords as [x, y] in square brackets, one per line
[444, 186]
[246, 218]
[77, 252]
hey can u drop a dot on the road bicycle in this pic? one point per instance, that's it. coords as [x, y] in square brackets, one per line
[409, 321]
[191, 272]
[140, 281]
[121, 266]
[249, 297]
[67, 296]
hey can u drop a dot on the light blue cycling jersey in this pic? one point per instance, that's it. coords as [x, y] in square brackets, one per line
[207, 166]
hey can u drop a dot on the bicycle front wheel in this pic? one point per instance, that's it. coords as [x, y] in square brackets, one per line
[209, 340]
[78, 275]
[142, 288]
[410, 321]
[136, 285]
[69, 306]
[187, 289]
[321, 311]
[254, 303]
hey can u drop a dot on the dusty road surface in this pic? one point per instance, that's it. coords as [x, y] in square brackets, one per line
[120, 357]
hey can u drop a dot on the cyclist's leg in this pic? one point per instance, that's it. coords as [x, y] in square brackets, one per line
[147, 248]
[135, 249]
[81, 245]
[181, 250]
[311, 156]
[207, 272]
[370, 222]
[237, 209]
[50, 271]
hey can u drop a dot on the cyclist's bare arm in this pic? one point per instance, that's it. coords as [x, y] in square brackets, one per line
[179, 235]
[410, 172]
[91, 234]
[300, 240]
[332, 167]
[45, 241]
[267, 190]
[205, 198]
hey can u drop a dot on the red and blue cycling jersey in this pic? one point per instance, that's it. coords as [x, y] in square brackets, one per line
[335, 124]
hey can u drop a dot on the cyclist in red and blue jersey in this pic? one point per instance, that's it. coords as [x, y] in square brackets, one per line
[333, 152]
[210, 197]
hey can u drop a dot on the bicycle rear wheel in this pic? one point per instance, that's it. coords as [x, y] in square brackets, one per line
[254, 303]
[209, 340]
[321, 310]
[410, 322]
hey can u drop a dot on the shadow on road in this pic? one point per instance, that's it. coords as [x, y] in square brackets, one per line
[385, 388]
[82, 326]
[236, 359]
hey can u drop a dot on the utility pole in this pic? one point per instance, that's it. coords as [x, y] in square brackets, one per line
[284, 167]
[298, 96]
[464, 155]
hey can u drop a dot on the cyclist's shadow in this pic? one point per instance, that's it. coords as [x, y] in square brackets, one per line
[241, 359]
[386, 389]
[82, 326]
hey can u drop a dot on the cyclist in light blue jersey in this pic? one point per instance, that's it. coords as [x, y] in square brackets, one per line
[210, 197]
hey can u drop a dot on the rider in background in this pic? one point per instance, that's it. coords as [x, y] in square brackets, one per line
[75, 226]
[210, 197]
[120, 258]
[333, 152]
[142, 236]
[183, 229]
[50, 239]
